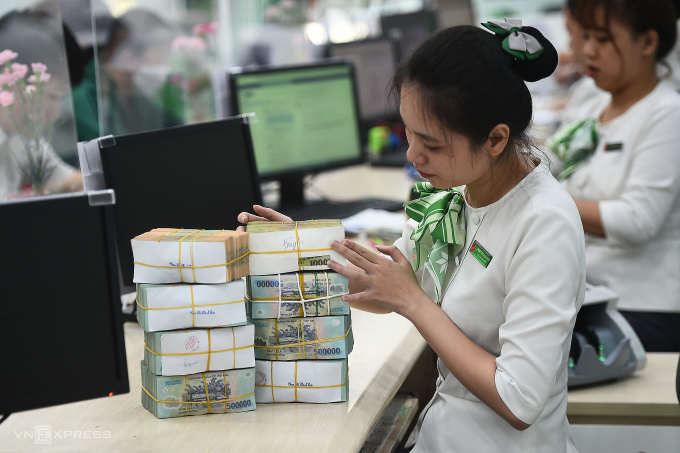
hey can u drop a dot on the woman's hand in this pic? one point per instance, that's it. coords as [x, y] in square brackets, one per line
[264, 215]
[391, 284]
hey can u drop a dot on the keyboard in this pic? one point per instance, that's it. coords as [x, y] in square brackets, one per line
[339, 210]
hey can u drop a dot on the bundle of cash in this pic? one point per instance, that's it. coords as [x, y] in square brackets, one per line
[164, 255]
[278, 247]
[278, 296]
[195, 351]
[179, 396]
[328, 337]
[182, 306]
[304, 381]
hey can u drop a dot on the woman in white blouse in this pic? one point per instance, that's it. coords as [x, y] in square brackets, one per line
[499, 264]
[627, 190]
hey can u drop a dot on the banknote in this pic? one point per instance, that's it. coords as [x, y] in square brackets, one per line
[179, 396]
[164, 255]
[279, 247]
[180, 352]
[302, 381]
[327, 337]
[265, 291]
[183, 306]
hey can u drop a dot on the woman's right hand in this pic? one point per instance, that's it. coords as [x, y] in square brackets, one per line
[261, 214]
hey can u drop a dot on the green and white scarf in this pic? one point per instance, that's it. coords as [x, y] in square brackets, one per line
[573, 144]
[440, 235]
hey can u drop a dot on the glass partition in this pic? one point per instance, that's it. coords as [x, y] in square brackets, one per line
[38, 153]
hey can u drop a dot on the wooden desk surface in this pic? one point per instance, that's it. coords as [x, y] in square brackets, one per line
[385, 349]
[645, 397]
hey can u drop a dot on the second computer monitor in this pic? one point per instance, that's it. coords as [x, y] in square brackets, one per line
[376, 61]
[307, 120]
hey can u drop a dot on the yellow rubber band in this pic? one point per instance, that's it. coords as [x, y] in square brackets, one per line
[190, 306]
[195, 267]
[196, 353]
[303, 343]
[197, 402]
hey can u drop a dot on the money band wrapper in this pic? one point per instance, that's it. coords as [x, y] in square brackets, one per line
[178, 396]
[302, 381]
[164, 255]
[280, 247]
[182, 352]
[318, 338]
[297, 294]
[183, 306]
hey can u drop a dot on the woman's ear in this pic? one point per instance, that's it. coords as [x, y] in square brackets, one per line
[498, 138]
[649, 41]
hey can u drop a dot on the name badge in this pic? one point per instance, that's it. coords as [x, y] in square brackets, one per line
[613, 146]
[480, 253]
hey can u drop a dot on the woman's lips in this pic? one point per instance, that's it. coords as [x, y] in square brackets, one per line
[592, 71]
[424, 175]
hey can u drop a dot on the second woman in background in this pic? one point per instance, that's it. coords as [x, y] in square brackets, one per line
[627, 186]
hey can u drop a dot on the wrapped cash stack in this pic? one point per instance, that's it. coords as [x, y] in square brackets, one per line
[198, 343]
[303, 329]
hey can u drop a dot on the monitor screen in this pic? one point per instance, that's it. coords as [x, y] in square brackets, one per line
[195, 176]
[61, 320]
[307, 117]
[375, 62]
[415, 27]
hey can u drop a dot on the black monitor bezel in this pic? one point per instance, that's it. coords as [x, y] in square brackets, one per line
[299, 172]
[24, 401]
[241, 120]
[430, 15]
[396, 49]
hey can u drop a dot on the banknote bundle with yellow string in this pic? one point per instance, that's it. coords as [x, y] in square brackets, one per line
[198, 343]
[303, 331]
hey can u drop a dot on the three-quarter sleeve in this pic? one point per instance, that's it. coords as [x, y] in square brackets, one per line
[651, 188]
[544, 278]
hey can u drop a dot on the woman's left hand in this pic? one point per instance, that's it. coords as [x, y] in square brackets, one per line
[391, 284]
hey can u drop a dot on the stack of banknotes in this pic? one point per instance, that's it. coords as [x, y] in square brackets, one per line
[199, 355]
[303, 329]
[166, 255]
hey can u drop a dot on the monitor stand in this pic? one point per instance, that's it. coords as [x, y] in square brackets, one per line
[293, 204]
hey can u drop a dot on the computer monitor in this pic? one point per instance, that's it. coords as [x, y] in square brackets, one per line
[307, 120]
[375, 60]
[61, 322]
[415, 27]
[194, 176]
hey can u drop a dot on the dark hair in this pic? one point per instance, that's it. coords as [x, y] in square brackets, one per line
[571, 6]
[639, 15]
[469, 84]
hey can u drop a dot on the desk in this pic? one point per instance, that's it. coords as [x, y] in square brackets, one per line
[385, 349]
[646, 397]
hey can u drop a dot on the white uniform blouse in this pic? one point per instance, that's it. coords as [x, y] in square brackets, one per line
[521, 308]
[635, 176]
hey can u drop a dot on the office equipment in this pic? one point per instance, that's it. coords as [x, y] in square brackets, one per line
[415, 27]
[308, 122]
[61, 322]
[194, 176]
[375, 60]
[604, 346]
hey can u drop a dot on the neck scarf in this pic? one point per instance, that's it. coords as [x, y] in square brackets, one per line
[573, 144]
[440, 235]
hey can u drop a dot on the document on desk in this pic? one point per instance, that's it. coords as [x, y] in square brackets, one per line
[179, 396]
[278, 296]
[327, 337]
[183, 306]
[166, 255]
[302, 381]
[180, 352]
[280, 247]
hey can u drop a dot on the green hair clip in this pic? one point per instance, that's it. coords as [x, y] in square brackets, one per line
[517, 43]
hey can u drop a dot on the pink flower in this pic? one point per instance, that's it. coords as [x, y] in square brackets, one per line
[205, 29]
[188, 43]
[178, 43]
[196, 43]
[6, 98]
[8, 78]
[38, 67]
[44, 77]
[20, 70]
[30, 89]
[32, 79]
[7, 55]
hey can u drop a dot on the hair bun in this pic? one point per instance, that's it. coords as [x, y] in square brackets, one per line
[532, 70]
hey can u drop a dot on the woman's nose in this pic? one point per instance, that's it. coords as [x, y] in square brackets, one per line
[414, 155]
